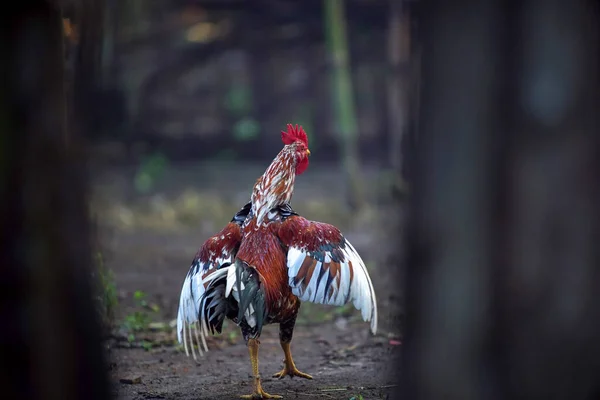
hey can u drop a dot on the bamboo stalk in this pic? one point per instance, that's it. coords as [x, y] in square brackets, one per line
[343, 99]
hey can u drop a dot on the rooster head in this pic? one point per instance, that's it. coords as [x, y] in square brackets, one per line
[296, 138]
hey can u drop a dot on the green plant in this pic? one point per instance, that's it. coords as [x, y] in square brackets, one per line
[140, 319]
[232, 336]
[146, 345]
[136, 321]
[106, 291]
[246, 129]
[140, 298]
[149, 172]
[238, 100]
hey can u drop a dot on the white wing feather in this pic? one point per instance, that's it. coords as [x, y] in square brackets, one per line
[192, 305]
[359, 290]
[191, 310]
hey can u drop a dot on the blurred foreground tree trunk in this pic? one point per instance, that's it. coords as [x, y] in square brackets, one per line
[89, 17]
[51, 344]
[398, 51]
[504, 242]
[343, 99]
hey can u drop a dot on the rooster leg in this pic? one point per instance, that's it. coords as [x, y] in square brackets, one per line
[258, 393]
[286, 331]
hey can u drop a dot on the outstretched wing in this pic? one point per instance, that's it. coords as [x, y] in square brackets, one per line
[217, 251]
[323, 267]
[220, 248]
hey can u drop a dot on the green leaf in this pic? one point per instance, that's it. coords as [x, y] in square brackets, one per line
[99, 260]
[139, 295]
[246, 129]
[150, 170]
[147, 345]
[143, 182]
[238, 100]
[136, 322]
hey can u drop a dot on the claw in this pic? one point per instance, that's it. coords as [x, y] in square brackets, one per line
[261, 394]
[289, 366]
[292, 372]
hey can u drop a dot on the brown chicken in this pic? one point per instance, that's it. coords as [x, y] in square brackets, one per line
[268, 259]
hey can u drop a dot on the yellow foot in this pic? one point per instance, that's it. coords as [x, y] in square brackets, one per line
[261, 394]
[292, 372]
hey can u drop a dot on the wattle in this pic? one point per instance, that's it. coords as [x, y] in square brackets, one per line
[302, 165]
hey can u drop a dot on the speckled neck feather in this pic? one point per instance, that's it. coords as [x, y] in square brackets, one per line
[276, 186]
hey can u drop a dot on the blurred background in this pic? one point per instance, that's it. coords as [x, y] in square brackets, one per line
[184, 104]
[214, 80]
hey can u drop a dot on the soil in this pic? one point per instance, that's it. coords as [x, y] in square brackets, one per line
[343, 364]
[345, 360]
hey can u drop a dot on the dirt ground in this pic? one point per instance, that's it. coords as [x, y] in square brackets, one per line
[346, 361]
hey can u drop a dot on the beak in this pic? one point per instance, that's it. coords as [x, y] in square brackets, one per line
[308, 152]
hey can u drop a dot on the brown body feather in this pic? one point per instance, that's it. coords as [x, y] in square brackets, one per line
[262, 250]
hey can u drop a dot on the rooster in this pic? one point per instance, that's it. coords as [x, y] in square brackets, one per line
[268, 259]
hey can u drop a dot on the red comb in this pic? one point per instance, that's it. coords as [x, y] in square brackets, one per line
[293, 134]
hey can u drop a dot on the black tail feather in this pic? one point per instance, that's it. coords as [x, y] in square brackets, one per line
[251, 294]
[214, 306]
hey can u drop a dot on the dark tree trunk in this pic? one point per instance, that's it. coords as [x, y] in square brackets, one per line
[89, 19]
[398, 53]
[503, 258]
[50, 337]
